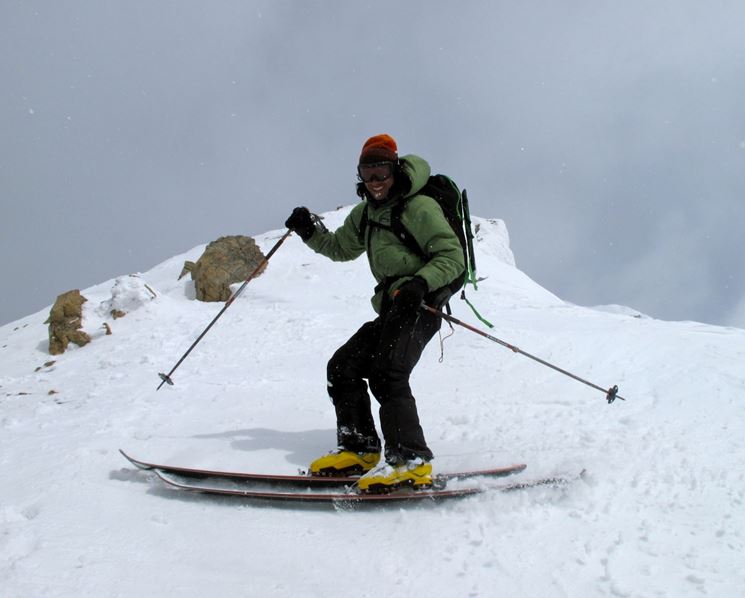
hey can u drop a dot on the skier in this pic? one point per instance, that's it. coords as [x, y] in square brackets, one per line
[385, 350]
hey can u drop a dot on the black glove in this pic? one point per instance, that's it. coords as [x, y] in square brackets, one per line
[301, 223]
[409, 296]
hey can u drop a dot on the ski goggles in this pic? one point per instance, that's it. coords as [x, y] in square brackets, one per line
[378, 171]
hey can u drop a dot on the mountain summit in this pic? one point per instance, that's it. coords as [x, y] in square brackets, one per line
[659, 511]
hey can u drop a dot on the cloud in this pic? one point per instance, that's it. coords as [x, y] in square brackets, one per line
[608, 136]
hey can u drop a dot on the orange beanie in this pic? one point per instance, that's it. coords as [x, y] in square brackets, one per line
[380, 148]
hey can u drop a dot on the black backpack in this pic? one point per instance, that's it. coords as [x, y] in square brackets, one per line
[454, 204]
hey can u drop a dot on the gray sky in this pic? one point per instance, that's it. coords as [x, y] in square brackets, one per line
[610, 136]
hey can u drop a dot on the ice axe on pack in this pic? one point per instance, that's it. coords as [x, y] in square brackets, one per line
[166, 378]
[611, 394]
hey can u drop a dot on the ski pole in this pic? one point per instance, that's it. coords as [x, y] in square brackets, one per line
[166, 378]
[610, 395]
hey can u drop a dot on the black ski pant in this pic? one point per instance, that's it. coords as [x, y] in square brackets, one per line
[384, 352]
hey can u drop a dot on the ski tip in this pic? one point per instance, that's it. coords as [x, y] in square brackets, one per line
[135, 462]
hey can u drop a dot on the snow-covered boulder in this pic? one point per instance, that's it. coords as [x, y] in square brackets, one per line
[128, 294]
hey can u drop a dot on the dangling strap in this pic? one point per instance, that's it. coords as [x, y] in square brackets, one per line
[442, 341]
[475, 311]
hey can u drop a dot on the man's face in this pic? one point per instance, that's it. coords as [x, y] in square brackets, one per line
[378, 178]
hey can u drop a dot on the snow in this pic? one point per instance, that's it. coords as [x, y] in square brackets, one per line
[658, 513]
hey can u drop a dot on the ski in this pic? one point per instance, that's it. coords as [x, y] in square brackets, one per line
[349, 497]
[310, 496]
[304, 479]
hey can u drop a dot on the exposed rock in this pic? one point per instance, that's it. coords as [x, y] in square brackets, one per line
[65, 322]
[224, 262]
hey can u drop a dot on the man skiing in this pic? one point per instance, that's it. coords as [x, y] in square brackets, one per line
[385, 350]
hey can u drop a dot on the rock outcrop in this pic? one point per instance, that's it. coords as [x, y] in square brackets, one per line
[224, 262]
[65, 322]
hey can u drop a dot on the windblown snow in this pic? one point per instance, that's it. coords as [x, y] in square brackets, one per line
[659, 511]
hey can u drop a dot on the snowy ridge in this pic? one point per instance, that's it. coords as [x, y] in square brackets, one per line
[659, 513]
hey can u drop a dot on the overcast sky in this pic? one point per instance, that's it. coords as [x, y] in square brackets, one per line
[610, 136]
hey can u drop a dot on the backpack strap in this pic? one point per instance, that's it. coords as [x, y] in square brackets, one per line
[396, 227]
[362, 226]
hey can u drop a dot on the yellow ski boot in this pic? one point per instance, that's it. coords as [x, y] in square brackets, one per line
[343, 463]
[386, 477]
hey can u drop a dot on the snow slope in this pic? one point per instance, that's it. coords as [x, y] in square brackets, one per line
[659, 513]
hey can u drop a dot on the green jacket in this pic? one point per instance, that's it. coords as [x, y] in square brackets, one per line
[389, 258]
